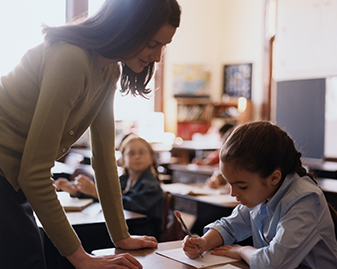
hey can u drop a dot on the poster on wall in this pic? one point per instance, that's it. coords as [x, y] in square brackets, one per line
[191, 80]
[238, 80]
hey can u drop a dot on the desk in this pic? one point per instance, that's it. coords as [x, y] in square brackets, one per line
[193, 148]
[329, 187]
[90, 227]
[150, 260]
[322, 169]
[191, 173]
[93, 214]
[207, 207]
[327, 184]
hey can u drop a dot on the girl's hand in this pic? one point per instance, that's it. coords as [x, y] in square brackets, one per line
[86, 186]
[62, 184]
[229, 251]
[137, 242]
[190, 246]
[235, 252]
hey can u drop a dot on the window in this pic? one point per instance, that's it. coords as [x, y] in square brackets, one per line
[20, 27]
[20, 30]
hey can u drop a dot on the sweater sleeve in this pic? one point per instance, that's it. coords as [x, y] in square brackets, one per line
[104, 163]
[63, 77]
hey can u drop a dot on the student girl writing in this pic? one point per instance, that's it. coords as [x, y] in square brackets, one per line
[58, 90]
[141, 191]
[281, 206]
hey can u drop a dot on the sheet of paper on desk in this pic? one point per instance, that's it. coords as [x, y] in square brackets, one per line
[224, 199]
[208, 260]
[192, 189]
[228, 266]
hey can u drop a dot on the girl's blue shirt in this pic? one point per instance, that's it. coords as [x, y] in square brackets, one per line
[294, 227]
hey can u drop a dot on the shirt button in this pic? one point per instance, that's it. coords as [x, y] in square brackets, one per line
[71, 132]
[64, 150]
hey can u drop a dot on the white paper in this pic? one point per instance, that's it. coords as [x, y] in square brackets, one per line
[208, 260]
[228, 266]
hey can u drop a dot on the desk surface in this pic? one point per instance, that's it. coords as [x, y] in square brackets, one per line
[150, 260]
[201, 193]
[194, 168]
[93, 214]
[199, 145]
[327, 184]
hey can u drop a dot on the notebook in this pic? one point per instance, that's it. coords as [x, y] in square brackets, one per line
[71, 203]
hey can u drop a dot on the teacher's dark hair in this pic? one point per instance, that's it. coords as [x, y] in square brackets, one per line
[120, 30]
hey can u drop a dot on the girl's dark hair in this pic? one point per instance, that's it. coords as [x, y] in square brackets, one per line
[120, 30]
[262, 147]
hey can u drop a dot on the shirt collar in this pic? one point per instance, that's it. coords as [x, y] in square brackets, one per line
[273, 202]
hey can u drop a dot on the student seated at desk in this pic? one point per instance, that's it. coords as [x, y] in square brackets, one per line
[141, 191]
[213, 158]
[216, 180]
[281, 206]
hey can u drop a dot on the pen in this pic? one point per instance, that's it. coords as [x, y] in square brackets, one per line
[178, 215]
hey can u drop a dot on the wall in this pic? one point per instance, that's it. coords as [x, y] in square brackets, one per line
[305, 48]
[215, 33]
[305, 41]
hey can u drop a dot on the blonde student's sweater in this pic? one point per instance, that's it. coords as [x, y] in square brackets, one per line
[46, 104]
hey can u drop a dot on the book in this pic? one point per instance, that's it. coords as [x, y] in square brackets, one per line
[72, 203]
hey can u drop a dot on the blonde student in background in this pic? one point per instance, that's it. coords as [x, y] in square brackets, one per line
[141, 191]
[58, 90]
[281, 206]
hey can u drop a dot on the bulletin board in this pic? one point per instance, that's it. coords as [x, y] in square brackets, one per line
[191, 80]
[238, 80]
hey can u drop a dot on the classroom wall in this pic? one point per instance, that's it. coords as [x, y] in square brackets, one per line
[305, 48]
[215, 33]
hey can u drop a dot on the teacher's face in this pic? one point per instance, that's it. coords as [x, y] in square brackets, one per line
[152, 50]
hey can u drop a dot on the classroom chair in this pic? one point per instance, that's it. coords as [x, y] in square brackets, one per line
[171, 227]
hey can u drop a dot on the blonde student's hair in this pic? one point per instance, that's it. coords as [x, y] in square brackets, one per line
[132, 137]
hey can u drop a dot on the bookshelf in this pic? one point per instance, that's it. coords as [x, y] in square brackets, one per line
[195, 115]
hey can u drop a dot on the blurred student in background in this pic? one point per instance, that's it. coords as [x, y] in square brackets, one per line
[141, 191]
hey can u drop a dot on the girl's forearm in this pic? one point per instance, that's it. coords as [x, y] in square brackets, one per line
[246, 253]
[213, 238]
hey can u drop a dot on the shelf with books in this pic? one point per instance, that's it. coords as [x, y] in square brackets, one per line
[195, 115]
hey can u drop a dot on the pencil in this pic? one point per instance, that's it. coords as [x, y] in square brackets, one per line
[178, 215]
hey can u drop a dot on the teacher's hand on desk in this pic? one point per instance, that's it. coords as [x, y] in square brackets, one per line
[82, 260]
[137, 242]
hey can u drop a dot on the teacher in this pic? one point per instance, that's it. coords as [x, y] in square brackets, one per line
[58, 90]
